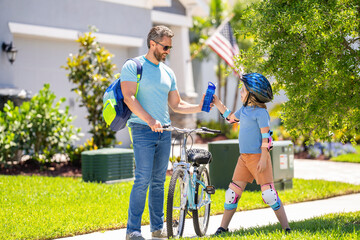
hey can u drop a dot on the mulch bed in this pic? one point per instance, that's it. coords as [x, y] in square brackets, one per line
[305, 155]
[31, 167]
[65, 169]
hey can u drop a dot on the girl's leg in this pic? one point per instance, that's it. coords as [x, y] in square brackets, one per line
[240, 178]
[279, 212]
[228, 214]
[281, 216]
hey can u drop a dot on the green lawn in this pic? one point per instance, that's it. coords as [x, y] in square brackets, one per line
[47, 207]
[330, 226]
[350, 157]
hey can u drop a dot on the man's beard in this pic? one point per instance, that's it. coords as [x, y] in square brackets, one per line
[160, 57]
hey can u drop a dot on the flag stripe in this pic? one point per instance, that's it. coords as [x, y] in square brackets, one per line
[234, 49]
[223, 43]
[220, 42]
[225, 47]
[223, 52]
[228, 61]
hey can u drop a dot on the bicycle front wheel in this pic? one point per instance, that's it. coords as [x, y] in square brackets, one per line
[176, 210]
[201, 216]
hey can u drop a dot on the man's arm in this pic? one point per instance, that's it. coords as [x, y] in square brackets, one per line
[180, 106]
[129, 89]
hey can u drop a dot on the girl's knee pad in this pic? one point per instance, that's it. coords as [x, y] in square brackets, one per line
[271, 198]
[231, 198]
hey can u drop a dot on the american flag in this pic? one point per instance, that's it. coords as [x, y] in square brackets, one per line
[224, 44]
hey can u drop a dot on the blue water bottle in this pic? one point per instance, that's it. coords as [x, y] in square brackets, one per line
[208, 97]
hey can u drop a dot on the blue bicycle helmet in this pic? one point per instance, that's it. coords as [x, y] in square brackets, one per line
[259, 86]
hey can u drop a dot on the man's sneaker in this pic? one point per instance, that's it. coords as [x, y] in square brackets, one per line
[134, 236]
[220, 230]
[161, 233]
[287, 230]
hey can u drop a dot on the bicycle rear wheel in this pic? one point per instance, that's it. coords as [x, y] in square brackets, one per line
[175, 216]
[201, 216]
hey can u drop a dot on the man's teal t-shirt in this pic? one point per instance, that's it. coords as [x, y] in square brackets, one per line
[251, 120]
[155, 84]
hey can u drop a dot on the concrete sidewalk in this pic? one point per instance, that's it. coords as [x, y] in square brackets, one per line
[306, 169]
[253, 218]
[327, 170]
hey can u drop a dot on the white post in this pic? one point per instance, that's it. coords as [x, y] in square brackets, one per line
[181, 64]
[180, 61]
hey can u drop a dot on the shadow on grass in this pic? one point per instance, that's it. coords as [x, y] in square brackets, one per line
[330, 226]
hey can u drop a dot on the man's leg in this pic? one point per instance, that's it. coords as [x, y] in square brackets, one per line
[144, 151]
[156, 189]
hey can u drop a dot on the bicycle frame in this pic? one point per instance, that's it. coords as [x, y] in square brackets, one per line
[190, 181]
[194, 192]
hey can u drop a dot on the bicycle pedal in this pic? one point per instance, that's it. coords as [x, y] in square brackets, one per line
[210, 189]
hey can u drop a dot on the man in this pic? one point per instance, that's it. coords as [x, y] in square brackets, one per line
[157, 90]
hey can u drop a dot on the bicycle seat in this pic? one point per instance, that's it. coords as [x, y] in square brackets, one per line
[199, 156]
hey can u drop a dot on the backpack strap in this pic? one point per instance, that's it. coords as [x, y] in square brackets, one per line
[138, 73]
[138, 76]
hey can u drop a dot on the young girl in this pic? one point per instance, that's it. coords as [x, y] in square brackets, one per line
[255, 142]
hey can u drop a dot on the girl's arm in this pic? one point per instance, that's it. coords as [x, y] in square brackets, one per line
[265, 154]
[222, 108]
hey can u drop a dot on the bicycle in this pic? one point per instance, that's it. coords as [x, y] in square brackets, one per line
[189, 191]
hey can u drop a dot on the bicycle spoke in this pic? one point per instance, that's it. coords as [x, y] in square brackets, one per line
[175, 217]
[202, 200]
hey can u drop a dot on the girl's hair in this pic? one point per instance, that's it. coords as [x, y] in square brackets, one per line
[252, 101]
[157, 33]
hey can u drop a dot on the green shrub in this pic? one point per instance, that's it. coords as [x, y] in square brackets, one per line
[233, 131]
[349, 157]
[38, 127]
[13, 136]
[74, 152]
[91, 71]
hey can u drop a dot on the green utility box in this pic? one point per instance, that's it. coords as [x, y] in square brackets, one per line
[282, 159]
[225, 155]
[107, 165]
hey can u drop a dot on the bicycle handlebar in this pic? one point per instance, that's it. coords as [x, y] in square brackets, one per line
[210, 130]
[187, 130]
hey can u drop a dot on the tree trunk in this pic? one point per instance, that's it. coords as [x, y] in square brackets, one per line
[236, 96]
[219, 82]
[225, 90]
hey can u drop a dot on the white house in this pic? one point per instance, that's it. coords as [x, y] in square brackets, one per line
[44, 33]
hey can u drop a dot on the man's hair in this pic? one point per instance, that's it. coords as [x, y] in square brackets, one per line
[157, 33]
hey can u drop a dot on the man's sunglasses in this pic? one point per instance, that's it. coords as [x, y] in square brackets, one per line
[165, 48]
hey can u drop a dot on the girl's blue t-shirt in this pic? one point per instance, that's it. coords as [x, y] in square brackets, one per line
[251, 120]
[155, 84]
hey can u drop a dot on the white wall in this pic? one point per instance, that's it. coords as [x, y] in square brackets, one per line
[40, 63]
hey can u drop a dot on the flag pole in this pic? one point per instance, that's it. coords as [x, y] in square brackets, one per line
[197, 52]
[218, 29]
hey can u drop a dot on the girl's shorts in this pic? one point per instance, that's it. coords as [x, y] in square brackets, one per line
[246, 171]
